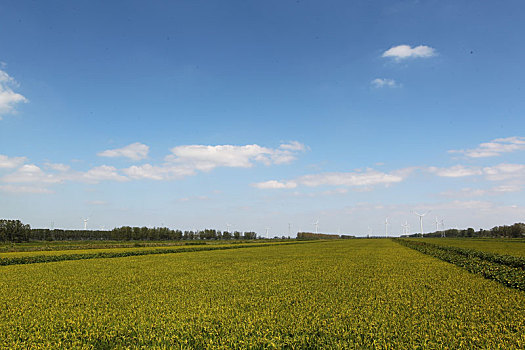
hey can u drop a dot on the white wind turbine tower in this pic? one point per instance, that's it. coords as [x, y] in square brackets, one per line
[316, 224]
[386, 227]
[85, 223]
[289, 229]
[228, 226]
[442, 228]
[421, 220]
[267, 229]
[437, 224]
[405, 227]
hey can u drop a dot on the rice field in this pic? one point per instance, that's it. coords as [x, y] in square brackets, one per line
[337, 294]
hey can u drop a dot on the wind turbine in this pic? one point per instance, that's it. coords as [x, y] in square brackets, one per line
[316, 224]
[421, 220]
[405, 228]
[228, 227]
[443, 228]
[437, 224]
[85, 223]
[289, 229]
[386, 227]
[267, 229]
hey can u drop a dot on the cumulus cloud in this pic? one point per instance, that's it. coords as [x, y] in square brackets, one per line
[206, 158]
[494, 148]
[456, 171]
[512, 174]
[11, 162]
[194, 198]
[103, 173]
[380, 83]
[477, 192]
[135, 151]
[152, 172]
[273, 184]
[8, 98]
[58, 166]
[30, 173]
[184, 161]
[504, 171]
[293, 146]
[24, 189]
[368, 177]
[97, 202]
[33, 174]
[406, 51]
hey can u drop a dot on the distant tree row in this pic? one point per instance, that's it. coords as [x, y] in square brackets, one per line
[310, 235]
[162, 233]
[513, 231]
[16, 231]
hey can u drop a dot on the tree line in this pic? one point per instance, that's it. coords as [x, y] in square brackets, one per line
[310, 235]
[16, 231]
[516, 230]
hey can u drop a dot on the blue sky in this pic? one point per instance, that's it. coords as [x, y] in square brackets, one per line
[196, 114]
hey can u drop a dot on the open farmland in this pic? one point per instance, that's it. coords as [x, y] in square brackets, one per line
[338, 294]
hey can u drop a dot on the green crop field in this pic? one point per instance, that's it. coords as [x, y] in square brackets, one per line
[336, 294]
[119, 249]
[515, 247]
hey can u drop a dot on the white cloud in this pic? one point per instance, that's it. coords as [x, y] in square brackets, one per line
[273, 184]
[206, 158]
[464, 192]
[8, 98]
[380, 83]
[507, 188]
[494, 148]
[151, 172]
[13, 162]
[194, 198]
[24, 189]
[58, 166]
[476, 192]
[369, 177]
[103, 173]
[512, 177]
[293, 146]
[97, 202]
[135, 151]
[30, 173]
[456, 171]
[405, 51]
[504, 171]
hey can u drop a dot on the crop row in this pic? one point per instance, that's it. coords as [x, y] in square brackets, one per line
[107, 253]
[507, 246]
[508, 270]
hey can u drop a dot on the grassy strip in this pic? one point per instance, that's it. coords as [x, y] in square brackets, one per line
[63, 257]
[504, 269]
